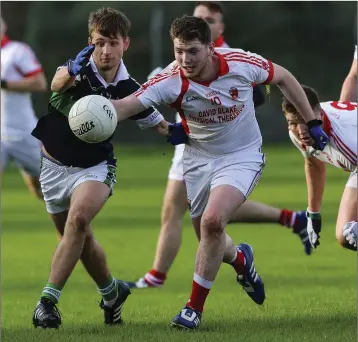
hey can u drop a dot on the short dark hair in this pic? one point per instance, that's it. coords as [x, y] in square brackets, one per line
[188, 28]
[312, 97]
[109, 22]
[212, 6]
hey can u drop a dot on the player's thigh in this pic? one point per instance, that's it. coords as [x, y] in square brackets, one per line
[91, 191]
[348, 206]
[87, 200]
[222, 203]
[197, 174]
[175, 200]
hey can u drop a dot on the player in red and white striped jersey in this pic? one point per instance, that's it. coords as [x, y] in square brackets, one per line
[21, 74]
[340, 124]
[211, 89]
[175, 198]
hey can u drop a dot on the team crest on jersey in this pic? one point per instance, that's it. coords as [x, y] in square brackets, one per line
[234, 93]
[265, 65]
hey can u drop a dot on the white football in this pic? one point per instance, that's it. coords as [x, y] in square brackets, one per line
[93, 119]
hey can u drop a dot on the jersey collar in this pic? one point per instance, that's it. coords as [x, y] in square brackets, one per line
[122, 73]
[5, 41]
[219, 42]
[223, 70]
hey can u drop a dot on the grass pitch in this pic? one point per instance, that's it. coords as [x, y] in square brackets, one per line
[308, 298]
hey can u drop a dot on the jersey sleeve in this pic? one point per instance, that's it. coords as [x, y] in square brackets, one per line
[26, 61]
[298, 145]
[160, 89]
[355, 53]
[149, 117]
[259, 69]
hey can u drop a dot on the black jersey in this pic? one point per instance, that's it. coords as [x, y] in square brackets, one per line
[53, 128]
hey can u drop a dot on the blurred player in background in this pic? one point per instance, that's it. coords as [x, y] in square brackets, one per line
[222, 159]
[77, 178]
[349, 88]
[175, 202]
[21, 75]
[339, 121]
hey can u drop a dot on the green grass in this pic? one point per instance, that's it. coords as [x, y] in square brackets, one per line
[308, 298]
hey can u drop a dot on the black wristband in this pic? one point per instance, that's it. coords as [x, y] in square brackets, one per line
[313, 123]
[3, 84]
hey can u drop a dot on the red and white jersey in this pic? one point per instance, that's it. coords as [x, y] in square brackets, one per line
[340, 124]
[17, 114]
[219, 116]
[219, 43]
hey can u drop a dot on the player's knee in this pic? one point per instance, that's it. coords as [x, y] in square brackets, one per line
[78, 221]
[212, 224]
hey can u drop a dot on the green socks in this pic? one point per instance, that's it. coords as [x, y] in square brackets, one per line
[52, 292]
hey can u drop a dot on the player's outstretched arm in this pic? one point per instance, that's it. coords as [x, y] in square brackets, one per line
[130, 106]
[62, 80]
[315, 171]
[349, 88]
[127, 107]
[66, 75]
[293, 91]
[35, 83]
[315, 178]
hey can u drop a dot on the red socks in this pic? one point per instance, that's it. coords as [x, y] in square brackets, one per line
[239, 263]
[199, 292]
[287, 218]
[154, 278]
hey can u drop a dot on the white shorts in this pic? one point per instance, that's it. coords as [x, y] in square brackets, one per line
[352, 180]
[203, 173]
[176, 170]
[58, 181]
[25, 152]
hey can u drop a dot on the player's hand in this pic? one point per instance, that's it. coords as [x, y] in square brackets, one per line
[314, 223]
[74, 66]
[318, 135]
[177, 134]
[350, 233]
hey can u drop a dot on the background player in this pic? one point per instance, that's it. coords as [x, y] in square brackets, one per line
[21, 74]
[175, 199]
[340, 124]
